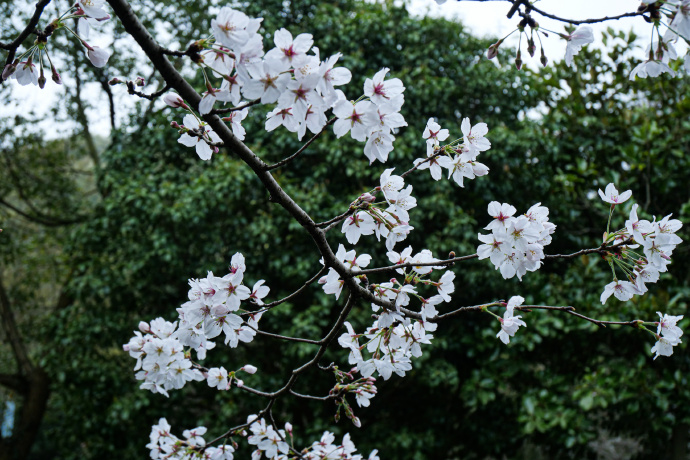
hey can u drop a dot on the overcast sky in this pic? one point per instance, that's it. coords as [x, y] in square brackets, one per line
[486, 18]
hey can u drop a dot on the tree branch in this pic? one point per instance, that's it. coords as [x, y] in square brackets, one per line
[30, 27]
[9, 324]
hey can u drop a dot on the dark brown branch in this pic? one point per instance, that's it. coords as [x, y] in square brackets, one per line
[602, 250]
[15, 382]
[9, 324]
[30, 27]
[584, 21]
[304, 147]
[413, 264]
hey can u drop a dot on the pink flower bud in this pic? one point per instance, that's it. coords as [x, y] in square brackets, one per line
[115, 81]
[288, 428]
[139, 81]
[56, 76]
[144, 327]
[174, 100]
[239, 383]
[249, 369]
[9, 70]
[367, 197]
[125, 347]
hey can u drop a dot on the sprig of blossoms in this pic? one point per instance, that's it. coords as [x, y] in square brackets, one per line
[516, 244]
[458, 157]
[273, 444]
[370, 217]
[164, 445]
[668, 335]
[394, 339]
[657, 239]
[213, 308]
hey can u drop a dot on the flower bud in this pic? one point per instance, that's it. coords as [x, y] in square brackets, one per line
[175, 125]
[56, 76]
[518, 61]
[239, 383]
[249, 369]
[174, 100]
[531, 47]
[367, 197]
[115, 81]
[139, 81]
[492, 52]
[42, 80]
[144, 327]
[543, 59]
[9, 69]
[288, 428]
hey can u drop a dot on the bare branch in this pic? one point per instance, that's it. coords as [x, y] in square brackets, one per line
[585, 21]
[304, 147]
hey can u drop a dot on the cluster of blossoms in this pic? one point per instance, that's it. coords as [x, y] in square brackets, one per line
[394, 338]
[391, 223]
[28, 68]
[162, 361]
[374, 120]
[667, 334]
[300, 84]
[660, 53]
[657, 239]
[516, 244]
[460, 156]
[273, 444]
[166, 446]
[332, 284]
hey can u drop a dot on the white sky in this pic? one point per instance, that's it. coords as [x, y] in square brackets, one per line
[486, 18]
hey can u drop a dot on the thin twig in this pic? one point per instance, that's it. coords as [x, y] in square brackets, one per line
[131, 90]
[268, 306]
[234, 109]
[294, 155]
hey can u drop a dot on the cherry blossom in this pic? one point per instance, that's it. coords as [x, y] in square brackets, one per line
[612, 196]
[582, 36]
